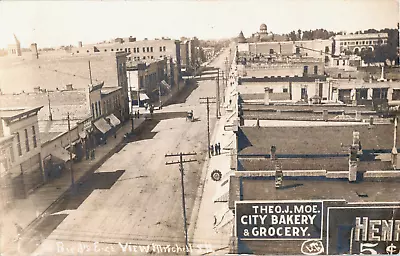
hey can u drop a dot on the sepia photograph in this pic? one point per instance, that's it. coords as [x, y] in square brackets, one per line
[199, 127]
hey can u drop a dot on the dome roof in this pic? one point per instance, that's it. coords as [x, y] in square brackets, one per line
[263, 27]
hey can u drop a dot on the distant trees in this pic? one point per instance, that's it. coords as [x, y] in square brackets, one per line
[310, 34]
[384, 52]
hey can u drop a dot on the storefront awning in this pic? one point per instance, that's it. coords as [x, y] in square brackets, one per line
[82, 134]
[113, 120]
[165, 84]
[143, 96]
[102, 125]
[61, 154]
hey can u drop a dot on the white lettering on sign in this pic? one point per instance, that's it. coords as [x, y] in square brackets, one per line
[376, 230]
[292, 219]
[279, 231]
[312, 247]
[280, 220]
[253, 219]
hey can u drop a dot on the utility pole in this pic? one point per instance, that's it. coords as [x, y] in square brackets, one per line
[223, 88]
[70, 154]
[50, 114]
[208, 121]
[180, 162]
[159, 94]
[90, 73]
[217, 96]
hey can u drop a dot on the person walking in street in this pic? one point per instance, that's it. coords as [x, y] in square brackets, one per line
[216, 149]
[212, 149]
[219, 148]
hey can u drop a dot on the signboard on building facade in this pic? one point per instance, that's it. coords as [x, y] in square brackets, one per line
[363, 229]
[269, 220]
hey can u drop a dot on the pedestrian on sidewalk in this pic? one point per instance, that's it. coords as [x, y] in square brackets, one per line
[216, 149]
[138, 114]
[219, 148]
[212, 149]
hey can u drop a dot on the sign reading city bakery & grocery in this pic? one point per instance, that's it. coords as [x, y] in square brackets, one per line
[279, 220]
[364, 229]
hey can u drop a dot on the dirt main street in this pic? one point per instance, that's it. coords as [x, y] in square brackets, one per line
[141, 205]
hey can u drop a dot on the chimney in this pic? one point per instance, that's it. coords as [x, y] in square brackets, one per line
[357, 115]
[69, 87]
[273, 152]
[266, 96]
[394, 150]
[80, 44]
[353, 157]
[371, 121]
[325, 115]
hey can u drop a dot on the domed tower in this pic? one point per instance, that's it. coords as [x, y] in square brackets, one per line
[263, 29]
[241, 39]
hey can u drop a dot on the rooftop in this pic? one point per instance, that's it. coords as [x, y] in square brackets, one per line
[109, 90]
[361, 36]
[10, 113]
[263, 188]
[53, 71]
[340, 163]
[312, 141]
[61, 103]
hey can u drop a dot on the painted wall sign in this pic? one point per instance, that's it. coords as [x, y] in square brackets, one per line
[363, 230]
[279, 220]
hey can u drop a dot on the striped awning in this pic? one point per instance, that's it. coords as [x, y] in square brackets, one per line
[165, 84]
[102, 125]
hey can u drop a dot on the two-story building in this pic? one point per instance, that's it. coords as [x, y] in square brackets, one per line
[20, 147]
[358, 42]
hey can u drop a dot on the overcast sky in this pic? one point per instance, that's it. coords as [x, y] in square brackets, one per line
[55, 23]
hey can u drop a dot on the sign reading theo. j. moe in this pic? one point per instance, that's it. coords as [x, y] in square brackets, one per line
[279, 220]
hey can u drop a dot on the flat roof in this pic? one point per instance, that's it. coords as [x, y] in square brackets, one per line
[9, 114]
[340, 163]
[109, 90]
[313, 140]
[263, 188]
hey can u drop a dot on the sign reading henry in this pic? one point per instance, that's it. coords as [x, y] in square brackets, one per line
[364, 230]
[278, 220]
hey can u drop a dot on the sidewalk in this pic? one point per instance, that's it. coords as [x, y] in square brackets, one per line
[213, 228]
[26, 211]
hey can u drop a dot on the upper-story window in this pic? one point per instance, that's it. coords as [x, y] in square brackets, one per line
[148, 49]
[99, 107]
[151, 49]
[97, 110]
[144, 49]
[93, 110]
[164, 48]
[134, 50]
[34, 136]
[160, 48]
[26, 140]
[19, 145]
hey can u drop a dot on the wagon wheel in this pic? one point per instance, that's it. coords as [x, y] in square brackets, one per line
[216, 175]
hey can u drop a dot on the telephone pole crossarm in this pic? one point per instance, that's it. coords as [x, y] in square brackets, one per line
[181, 170]
[183, 154]
[183, 161]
